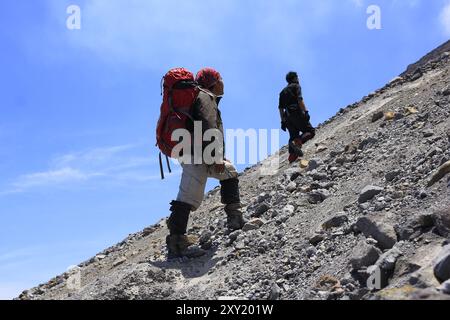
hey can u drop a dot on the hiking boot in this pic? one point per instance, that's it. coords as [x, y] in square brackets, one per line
[292, 157]
[178, 244]
[295, 147]
[235, 218]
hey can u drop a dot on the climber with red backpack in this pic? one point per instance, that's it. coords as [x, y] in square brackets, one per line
[188, 103]
[295, 117]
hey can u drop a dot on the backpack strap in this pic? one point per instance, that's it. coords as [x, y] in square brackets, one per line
[209, 93]
[184, 113]
[168, 164]
[161, 166]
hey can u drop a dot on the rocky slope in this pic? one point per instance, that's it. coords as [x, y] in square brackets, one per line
[361, 217]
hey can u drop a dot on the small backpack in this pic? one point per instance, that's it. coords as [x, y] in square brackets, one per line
[179, 94]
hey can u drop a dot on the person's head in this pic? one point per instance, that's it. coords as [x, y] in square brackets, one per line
[292, 77]
[210, 79]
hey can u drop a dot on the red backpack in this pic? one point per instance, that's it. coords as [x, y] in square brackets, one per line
[180, 92]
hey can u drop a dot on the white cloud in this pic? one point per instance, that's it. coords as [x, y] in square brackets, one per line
[156, 34]
[117, 164]
[408, 3]
[358, 3]
[92, 156]
[51, 177]
[445, 19]
[143, 32]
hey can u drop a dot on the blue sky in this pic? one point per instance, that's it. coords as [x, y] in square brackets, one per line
[78, 168]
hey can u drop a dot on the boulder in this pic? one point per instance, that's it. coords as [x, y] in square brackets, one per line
[391, 175]
[205, 240]
[318, 196]
[442, 265]
[446, 91]
[389, 116]
[275, 292]
[377, 116]
[304, 163]
[253, 225]
[445, 287]
[261, 209]
[441, 172]
[385, 266]
[428, 133]
[291, 187]
[379, 230]
[316, 239]
[335, 222]
[364, 255]
[367, 142]
[119, 261]
[410, 110]
[314, 164]
[441, 219]
[368, 193]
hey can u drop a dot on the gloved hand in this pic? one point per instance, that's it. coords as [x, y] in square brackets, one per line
[283, 126]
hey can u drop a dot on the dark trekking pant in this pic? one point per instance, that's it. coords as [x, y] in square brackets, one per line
[178, 220]
[299, 127]
[293, 134]
[229, 191]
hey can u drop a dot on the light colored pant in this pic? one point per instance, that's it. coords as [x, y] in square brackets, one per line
[193, 181]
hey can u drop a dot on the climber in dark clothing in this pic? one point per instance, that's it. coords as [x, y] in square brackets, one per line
[295, 117]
